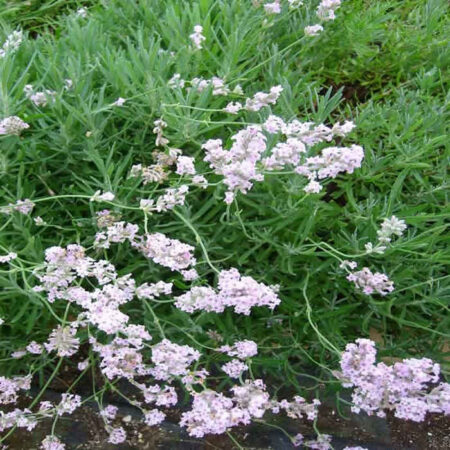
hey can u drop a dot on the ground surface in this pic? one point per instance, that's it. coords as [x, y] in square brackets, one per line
[84, 430]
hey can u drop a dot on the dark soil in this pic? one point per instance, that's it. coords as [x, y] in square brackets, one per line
[85, 430]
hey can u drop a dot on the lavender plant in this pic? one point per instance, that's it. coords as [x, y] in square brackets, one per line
[184, 212]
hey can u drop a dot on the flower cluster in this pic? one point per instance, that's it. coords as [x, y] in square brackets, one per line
[403, 387]
[122, 357]
[12, 43]
[273, 7]
[234, 368]
[313, 30]
[119, 102]
[63, 266]
[171, 359]
[9, 388]
[157, 173]
[106, 218]
[63, 341]
[234, 290]
[69, 403]
[26, 418]
[154, 173]
[12, 125]
[370, 283]
[8, 257]
[154, 290]
[241, 349]
[156, 246]
[214, 413]
[323, 442]
[331, 162]
[166, 396]
[168, 252]
[185, 165]
[325, 12]
[115, 233]
[22, 206]
[176, 81]
[354, 448]
[197, 37]
[390, 227]
[299, 408]
[109, 412]
[102, 197]
[171, 198]
[52, 443]
[326, 9]
[238, 165]
[39, 98]
[81, 12]
[244, 162]
[17, 418]
[217, 85]
[159, 131]
[257, 102]
[116, 435]
[154, 417]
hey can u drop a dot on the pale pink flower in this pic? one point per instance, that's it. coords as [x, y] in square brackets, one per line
[261, 99]
[200, 181]
[313, 30]
[63, 341]
[176, 81]
[8, 257]
[165, 251]
[81, 12]
[109, 412]
[185, 165]
[159, 130]
[119, 102]
[234, 368]
[197, 36]
[34, 348]
[326, 9]
[12, 44]
[102, 197]
[52, 443]
[23, 206]
[154, 417]
[370, 282]
[83, 365]
[117, 435]
[233, 107]
[273, 8]
[171, 359]
[241, 349]
[69, 403]
[403, 387]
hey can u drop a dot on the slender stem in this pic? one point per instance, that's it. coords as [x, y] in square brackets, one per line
[198, 239]
[47, 384]
[81, 196]
[155, 318]
[322, 338]
[235, 441]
